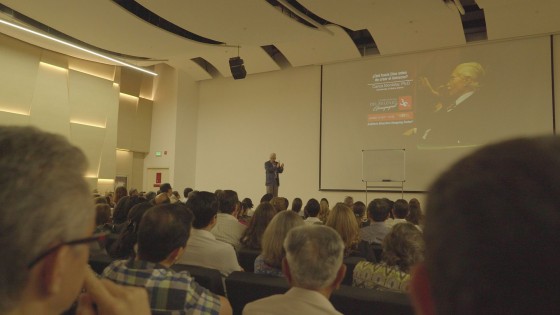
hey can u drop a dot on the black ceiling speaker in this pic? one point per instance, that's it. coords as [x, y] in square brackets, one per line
[237, 68]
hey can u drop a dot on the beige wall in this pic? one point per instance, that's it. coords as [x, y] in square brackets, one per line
[79, 100]
[241, 122]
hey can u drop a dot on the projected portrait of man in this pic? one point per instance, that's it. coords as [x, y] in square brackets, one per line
[456, 114]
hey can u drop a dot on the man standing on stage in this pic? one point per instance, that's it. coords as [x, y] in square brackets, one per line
[273, 168]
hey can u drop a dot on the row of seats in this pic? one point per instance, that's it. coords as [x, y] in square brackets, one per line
[245, 287]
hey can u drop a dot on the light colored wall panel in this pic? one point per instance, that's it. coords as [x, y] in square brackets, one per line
[92, 183]
[12, 119]
[137, 180]
[142, 126]
[19, 63]
[90, 140]
[90, 98]
[187, 117]
[124, 163]
[147, 87]
[50, 109]
[108, 157]
[125, 126]
[106, 72]
[131, 81]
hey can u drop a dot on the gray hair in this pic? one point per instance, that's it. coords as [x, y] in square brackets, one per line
[314, 254]
[44, 200]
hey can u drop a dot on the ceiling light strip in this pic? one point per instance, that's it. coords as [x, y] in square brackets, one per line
[77, 47]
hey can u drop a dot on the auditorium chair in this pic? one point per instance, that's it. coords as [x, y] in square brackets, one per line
[99, 262]
[246, 258]
[244, 287]
[350, 263]
[211, 279]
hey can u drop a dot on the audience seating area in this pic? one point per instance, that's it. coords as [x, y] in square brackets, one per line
[243, 287]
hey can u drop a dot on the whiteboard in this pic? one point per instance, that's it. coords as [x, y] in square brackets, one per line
[383, 165]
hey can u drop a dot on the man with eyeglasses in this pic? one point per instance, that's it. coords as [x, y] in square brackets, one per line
[44, 238]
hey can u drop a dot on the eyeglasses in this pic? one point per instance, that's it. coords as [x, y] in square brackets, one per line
[90, 239]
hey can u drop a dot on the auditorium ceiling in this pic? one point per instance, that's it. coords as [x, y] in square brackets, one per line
[199, 37]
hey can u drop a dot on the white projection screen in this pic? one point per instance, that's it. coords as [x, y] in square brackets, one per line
[437, 105]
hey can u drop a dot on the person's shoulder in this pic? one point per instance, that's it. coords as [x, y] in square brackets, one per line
[263, 306]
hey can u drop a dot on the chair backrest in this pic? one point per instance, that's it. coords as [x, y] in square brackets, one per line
[350, 263]
[245, 287]
[246, 258]
[352, 300]
[211, 279]
[99, 262]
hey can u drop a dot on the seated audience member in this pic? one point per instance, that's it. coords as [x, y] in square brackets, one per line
[122, 208]
[403, 247]
[492, 233]
[45, 238]
[247, 208]
[349, 201]
[252, 236]
[162, 237]
[267, 198]
[133, 192]
[399, 211]
[120, 192]
[228, 229]
[121, 245]
[312, 209]
[102, 225]
[269, 262]
[296, 206]
[314, 269]
[100, 200]
[359, 209]
[202, 248]
[150, 196]
[177, 196]
[324, 210]
[343, 221]
[378, 211]
[279, 204]
[186, 193]
[415, 215]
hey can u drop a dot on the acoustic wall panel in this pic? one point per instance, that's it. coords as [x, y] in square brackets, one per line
[108, 159]
[19, 63]
[13, 119]
[141, 127]
[90, 139]
[49, 107]
[125, 128]
[90, 98]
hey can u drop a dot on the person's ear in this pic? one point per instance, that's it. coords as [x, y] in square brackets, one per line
[286, 270]
[339, 276]
[420, 293]
[52, 270]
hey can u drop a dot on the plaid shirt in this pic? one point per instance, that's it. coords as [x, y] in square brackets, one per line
[168, 290]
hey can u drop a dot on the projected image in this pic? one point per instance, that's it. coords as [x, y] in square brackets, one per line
[437, 106]
[454, 113]
[392, 99]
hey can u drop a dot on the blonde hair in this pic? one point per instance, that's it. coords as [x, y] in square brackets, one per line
[324, 210]
[343, 220]
[274, 235]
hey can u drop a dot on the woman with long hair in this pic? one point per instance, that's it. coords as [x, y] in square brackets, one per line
[269, 262]
[253, 234]
[343, 220]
